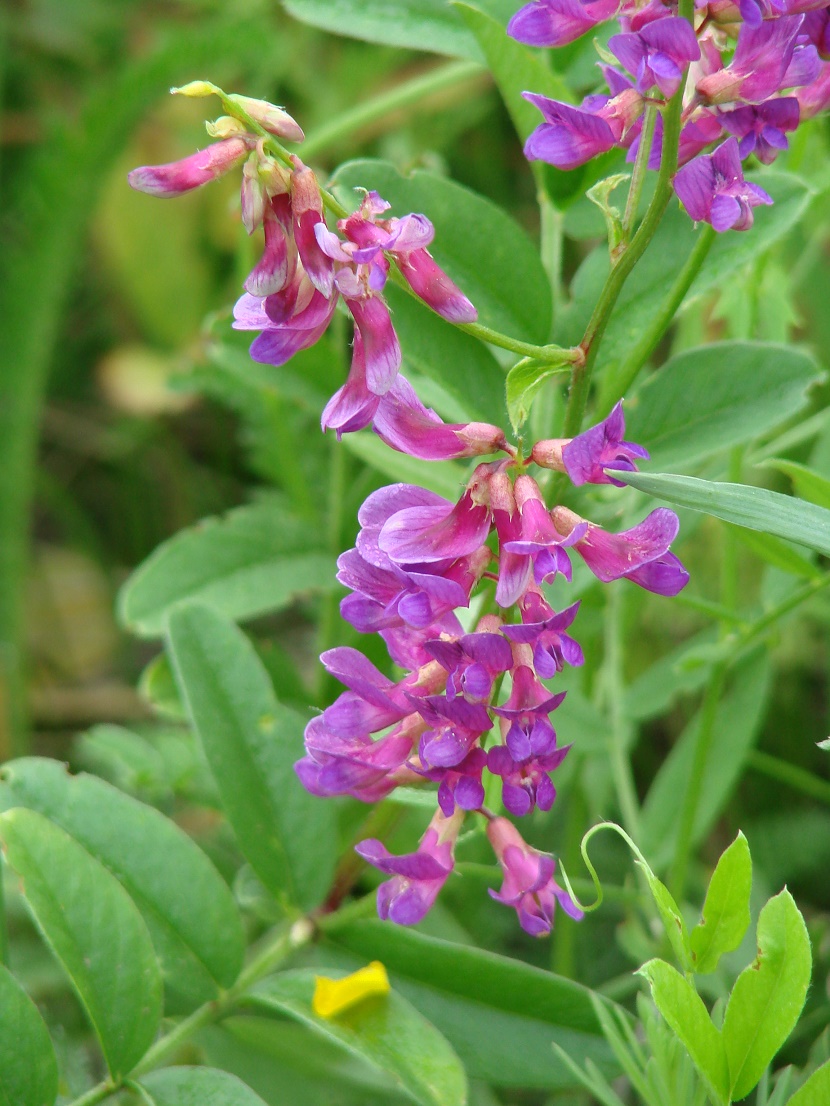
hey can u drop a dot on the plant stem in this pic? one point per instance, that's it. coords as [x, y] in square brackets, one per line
[409, 92]
[551, 248]
[638, 177]
[619, 735]
[791, 775]
[616, 385]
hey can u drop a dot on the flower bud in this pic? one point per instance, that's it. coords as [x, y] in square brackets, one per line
[548, 454]
[225, 127]
[195, 88]
[177, 177]
[273, 119]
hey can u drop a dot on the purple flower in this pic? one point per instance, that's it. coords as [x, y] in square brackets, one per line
[640, 554]
[544, 629]
[702, 128]
[356, 766]
[176, 177]
[587, 456]
[417, 877]
[815, 97]
[558, 22]
[713, 190]
[453, 728]
[277, 265]
[571, 136]
[767, 58]
[536, 542]
[292, 319]
[658, 54]
[761, 128]
[473, 661]
[307, 214]
[460, 785]
[530, 733]
[528, 885]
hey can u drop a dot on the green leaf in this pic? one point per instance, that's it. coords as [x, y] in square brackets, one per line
[251, 561]
[414, 24]
[808, 484]
[447, 478]
[251, 742]
[707, 399]
[671, 916]
[768, 996]
[198, 1087]
[186, 905]
[94, 929]
[683, 1009]
[495, 264]
[500, 1015]
[725, 917]
[385, 1031]
[756, 508]
[649, 283]
[816, 1091]
[464, 368]
[523, 382]
[777, 553]
[736, 725]
[515, 69]
[28, 1069]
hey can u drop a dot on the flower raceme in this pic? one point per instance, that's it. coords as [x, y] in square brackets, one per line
[473, 705]
[751, 70]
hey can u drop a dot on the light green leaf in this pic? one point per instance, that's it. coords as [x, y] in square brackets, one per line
[707, 399]
[251, 561]
[186, 905]
[808, 483]
[251, 742]
[736, 725]
[816, 1091]
[756, 508]
[683, 1009]
[725, 917]
[769, 995]
[777, 553]
[523, 382]
[94, 929]
[447, 478]
[499, 1014]
[497, 266]
[515, 69]
[28, 1069]
[413, 24]
[385, 1031]
[672, 918]
[198, 1087]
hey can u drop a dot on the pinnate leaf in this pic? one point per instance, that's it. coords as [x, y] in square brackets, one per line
[95, 931]
[768, 996]
[725, 917]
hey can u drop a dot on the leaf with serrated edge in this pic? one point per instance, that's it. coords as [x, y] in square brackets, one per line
[94, 929]
[683, 1010]
[28, 1069]
[769, 995]
[385, 1031]
[725, 916]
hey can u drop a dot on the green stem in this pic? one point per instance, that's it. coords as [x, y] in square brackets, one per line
[592, 872]
[704, 738]
[409, 92]
[553, 221]
[790, 774]
[638, 177]
[563, 949]
[619, 735]
[615, 387]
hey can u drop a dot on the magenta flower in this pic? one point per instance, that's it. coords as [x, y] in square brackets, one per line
[761, 127]
[537, 542]
[767, 58]
[558, 22]
[473, 663]
[587, 456]
[417, 877]
[176, 177]
[713, 190]
[640, 554]
[356, 766]
[658, 54]
[571, 136]
[528, 884]
[544, 629]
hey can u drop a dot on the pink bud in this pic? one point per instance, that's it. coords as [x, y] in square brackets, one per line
[271, 118]
[548, 454]
[177, 177]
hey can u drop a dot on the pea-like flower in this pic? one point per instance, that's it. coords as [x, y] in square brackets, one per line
[713, 190]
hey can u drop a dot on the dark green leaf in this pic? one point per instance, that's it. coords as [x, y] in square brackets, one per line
[94, 929]
[768, 996]
[383, 1030]
[253, 560]
[251, 742]
[707, 399]
[488, 255]
[683, 1009]
[735, 727]
[28, 1069]
[413, 24]
[756, 508]
[186, 905]
[198, 1087]
[725, 917]
[500, 1015]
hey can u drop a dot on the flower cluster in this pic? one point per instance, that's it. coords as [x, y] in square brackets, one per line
[749, 73]
[472, 706]
[451, 720]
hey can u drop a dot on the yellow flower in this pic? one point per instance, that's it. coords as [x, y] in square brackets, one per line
[333, 996]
